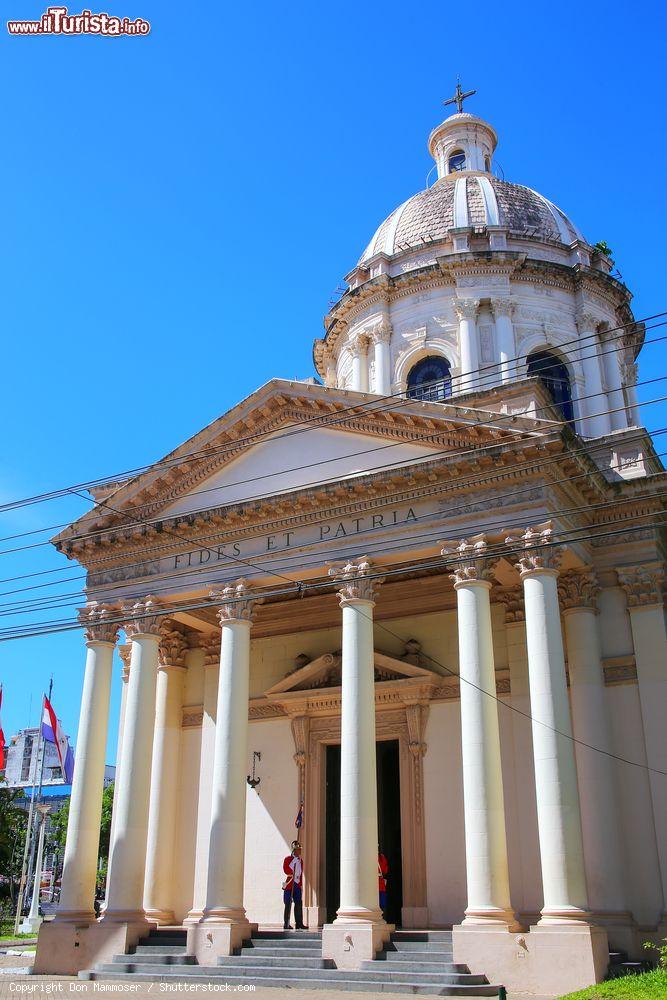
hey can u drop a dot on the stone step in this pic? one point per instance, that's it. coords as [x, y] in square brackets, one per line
[434, 968]
[172, 936]
[294, 944]
[431, 957]
[153, 958]
[159, 948]
[617, 957]
[401, 945]
[279, 935]
[284, 962]
[421, 936]
[376, 985]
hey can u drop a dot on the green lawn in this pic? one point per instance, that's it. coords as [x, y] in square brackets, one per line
[648, 986]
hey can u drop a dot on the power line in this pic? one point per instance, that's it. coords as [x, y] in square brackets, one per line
[166, 463]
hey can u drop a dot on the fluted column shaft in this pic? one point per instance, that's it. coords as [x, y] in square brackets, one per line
[558, 814]
[359, 899]
[487, 868]
[127, 855]
[502, 311]
[597, 420]
[382, 359]
[618, 417]
[224, 894]
[158, 889]
[466, 310]
[211, 650]
[77, 893]
[591, 725]
[359, 349]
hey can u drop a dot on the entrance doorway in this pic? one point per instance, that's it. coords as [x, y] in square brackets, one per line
[389, 826]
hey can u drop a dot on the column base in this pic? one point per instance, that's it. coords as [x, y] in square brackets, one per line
[161, 917]
[564, 917]
[622, 932]
[66, 947]
[214, 937]
[30, 925]
[137, 918]
[349, 943]
[548, 960]
[491, 917]
[193, 917]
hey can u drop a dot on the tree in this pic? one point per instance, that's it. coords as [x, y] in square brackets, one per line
[13, 825]
[59, 822]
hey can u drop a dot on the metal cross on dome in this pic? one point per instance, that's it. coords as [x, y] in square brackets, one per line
[459, 97]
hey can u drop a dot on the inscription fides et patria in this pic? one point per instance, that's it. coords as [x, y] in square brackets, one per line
[269, 543]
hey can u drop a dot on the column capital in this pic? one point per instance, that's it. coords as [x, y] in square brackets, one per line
[643, 585]
[466, 308]
[237, 603]
[503, 306]
[125, 652]
[538, 555]
[356, 582]
[515, 609]
[473, 564]
[630, 372]
[381, 334]
[173, 645]
[210, 643]
[97, 626]
[587, 321]
[145, 620]
[578, 590]
[359, 344]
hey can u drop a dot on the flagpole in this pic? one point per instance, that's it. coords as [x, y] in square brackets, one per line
[28, 832]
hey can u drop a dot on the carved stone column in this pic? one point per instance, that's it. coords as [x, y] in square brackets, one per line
[210, 645]
[414, 912]
[127, 854]
[466, 310]
[605, 864]
[644, 589]
[83, 828]
[359, 349]
[611, 367]
[224, 926]
[630, 384]
[125, 653]
[381, 337]
[558, 814]
[300, 731]
[158, 891]
[359, 928]
[502, 311]
[597, 421]
[486, 842]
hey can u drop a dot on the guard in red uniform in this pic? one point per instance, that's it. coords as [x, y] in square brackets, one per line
[383, 871]
[293, 886]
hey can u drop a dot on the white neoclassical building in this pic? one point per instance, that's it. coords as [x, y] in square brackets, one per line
[421, 595]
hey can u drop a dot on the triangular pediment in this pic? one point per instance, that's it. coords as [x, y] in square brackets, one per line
[286, 437]
[325, 672]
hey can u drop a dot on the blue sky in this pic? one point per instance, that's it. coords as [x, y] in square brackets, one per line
[178, 210]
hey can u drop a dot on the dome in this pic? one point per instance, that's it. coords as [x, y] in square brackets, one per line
[470, 200]
[467, 195]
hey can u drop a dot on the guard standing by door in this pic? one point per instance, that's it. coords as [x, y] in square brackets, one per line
[383, 871]
[293, 886]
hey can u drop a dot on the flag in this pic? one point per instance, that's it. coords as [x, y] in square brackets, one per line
[2, 737]
[52, 731]
[299, 817]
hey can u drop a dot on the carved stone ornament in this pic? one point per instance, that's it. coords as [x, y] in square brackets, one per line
[630, 373]
[356, 581]
[539, 554]
[502, 307]
[466, 308]
[125, 651]
[210, 643]
[236, 603]
[587, 322]
[381, 334]
[643, 585]
[145, 618]
[173, 645]
[471, 561]
[359, 344]
[95, 619]
[515, 609]
[578, 589]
